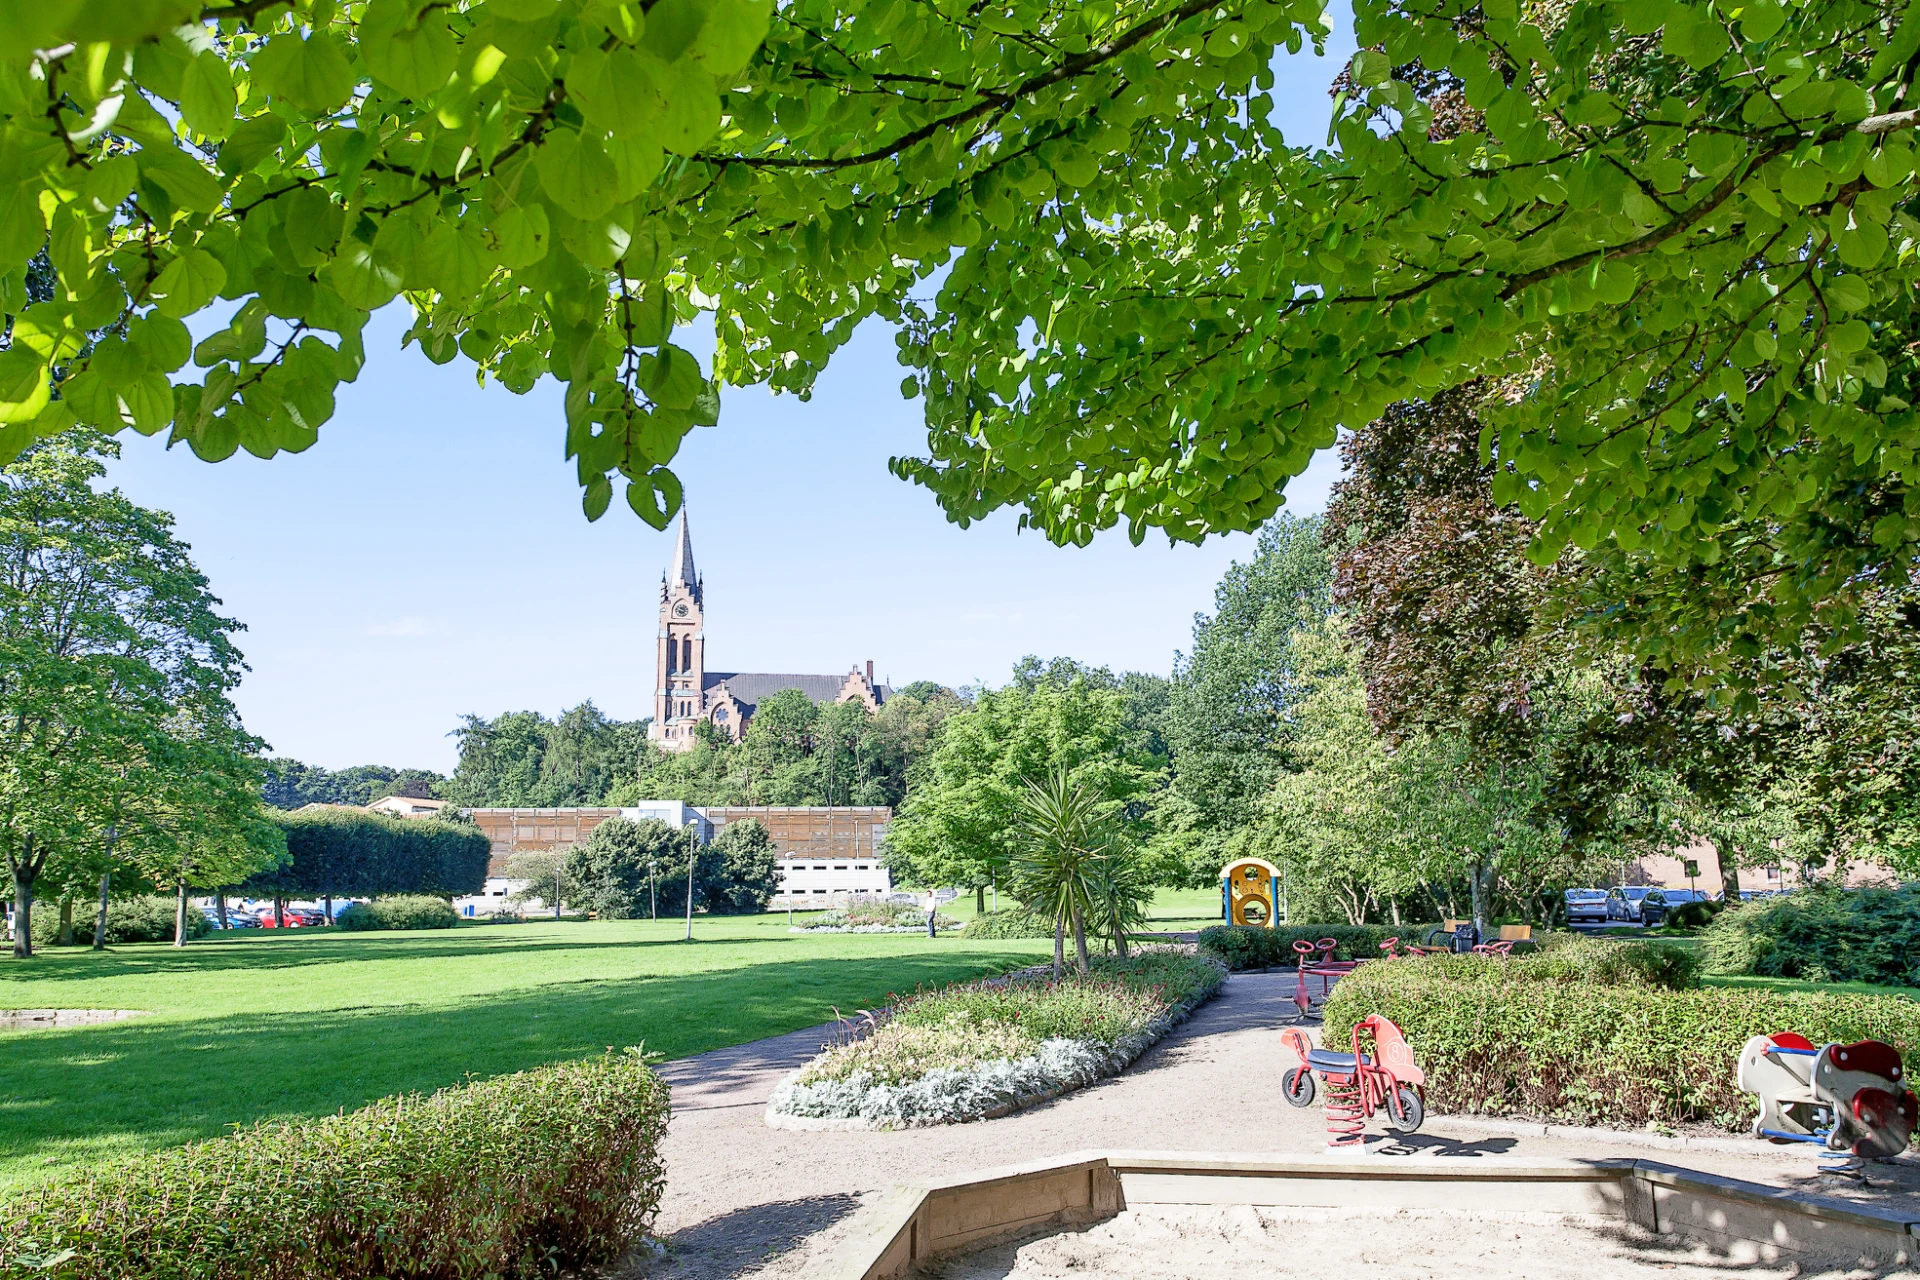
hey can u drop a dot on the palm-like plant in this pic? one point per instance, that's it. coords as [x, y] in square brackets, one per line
[1121, 892]
[1064, 836]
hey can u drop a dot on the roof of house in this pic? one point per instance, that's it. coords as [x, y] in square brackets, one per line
[752, 687]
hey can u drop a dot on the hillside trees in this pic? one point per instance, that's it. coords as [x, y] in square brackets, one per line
[522, 759]
[119, 747]
[291, 784]
[1232, 702]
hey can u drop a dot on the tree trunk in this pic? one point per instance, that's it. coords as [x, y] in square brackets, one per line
[180, 912]
[220, 908]
[279, 911]
[1059, 948]
[1080, 942]
[1119, 941]
[100, 920]
[329, 908]
[1477, 883]
[63, 936]
[1393, 905]
[980, 899]
[1729, 861]
[25, 872]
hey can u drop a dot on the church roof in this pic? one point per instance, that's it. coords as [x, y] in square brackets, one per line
[752, 687]
[683, 572]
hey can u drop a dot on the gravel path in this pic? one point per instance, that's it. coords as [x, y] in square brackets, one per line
[745, 1200]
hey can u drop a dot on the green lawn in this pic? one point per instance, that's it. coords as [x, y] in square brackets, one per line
[249, 1025]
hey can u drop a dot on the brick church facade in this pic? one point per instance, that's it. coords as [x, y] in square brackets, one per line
[686, 692]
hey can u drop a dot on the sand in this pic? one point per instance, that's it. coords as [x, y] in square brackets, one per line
[746, 1200]
[1192, 1243]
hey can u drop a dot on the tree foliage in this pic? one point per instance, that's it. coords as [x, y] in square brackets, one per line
[345, 853]
[521, 759]
[291, 784]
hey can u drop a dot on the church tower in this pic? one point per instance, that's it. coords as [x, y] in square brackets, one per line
[681, 660]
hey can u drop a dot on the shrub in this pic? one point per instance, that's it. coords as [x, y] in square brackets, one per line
[963, 1052]
[517, 1176]
[879, 916]
[1824, 934]
[351, 854]
[747, 873]
[1636, 963]
[1500, 1037]
[406, 911]
[144, 919]
[1015, 922]
[1695, 915]
[1247, 947]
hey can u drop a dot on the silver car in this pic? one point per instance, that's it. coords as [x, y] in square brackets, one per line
[1586, 906]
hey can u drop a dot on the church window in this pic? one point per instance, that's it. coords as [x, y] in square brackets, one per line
[686, 654]
[673, 655]
[721, 715]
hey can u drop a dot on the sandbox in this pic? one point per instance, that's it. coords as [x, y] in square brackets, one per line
[1170, 1216]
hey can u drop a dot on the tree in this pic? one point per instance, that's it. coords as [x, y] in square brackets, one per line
[627, 870]
[522, 759]
[1064, 832]
[291, 784]
[1233, 701]
[346, 853]
[115, 670]
[554, 186]
[748, 873]
[958, 822]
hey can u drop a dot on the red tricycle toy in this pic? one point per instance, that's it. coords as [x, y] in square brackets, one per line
[1379, 1073]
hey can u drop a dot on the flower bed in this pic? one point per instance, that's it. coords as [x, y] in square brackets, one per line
[980, 1050]
[876, 917]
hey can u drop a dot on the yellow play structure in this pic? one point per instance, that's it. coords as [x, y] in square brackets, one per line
[1250, 893]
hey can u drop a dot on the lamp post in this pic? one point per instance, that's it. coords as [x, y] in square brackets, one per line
[692, 844]
[557, 867]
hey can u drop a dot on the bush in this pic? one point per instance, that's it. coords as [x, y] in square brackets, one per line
[1612, 963]
[748, 870]
[1505, 1037]
[1016, 922]
[351, 854]
[1247, 947]
[1824, 934]
[145, 919]
[407, 911]
[878, 917]
[963, 1052]
[1695, 915]
[518, 1176]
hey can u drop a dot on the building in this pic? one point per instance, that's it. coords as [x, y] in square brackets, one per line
[406, 806]
[687, 692]
[828, 854]
[1670, 871]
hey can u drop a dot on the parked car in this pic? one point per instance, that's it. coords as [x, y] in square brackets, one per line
[1586, 906]
[1637, 904]
[236, 918]
[306, 917]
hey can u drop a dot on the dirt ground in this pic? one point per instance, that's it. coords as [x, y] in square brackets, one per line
[1191, 1243]
[745, 1200]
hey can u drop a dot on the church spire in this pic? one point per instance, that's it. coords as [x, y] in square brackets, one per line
[683, 573]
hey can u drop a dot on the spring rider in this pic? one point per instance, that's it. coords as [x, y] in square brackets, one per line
[1250, 893]
[1853, 1099]
[1379, 1075]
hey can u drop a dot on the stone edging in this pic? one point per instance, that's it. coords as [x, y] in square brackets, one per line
[1629, 1137]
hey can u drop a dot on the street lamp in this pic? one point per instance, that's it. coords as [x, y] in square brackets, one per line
[692, 844]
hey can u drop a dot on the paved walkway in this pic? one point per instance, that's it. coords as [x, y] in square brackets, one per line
[745, 1200]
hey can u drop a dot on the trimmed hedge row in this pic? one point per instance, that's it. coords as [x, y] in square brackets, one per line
[1497, 1038]
[1247, 947]
[406, 911]
[518, 1176]
[352, 854]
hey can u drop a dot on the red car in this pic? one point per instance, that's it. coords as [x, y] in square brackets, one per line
[297, 918]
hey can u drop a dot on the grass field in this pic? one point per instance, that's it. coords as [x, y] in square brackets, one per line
[250, 1025]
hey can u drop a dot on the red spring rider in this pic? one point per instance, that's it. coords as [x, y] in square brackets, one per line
[1378, 1074]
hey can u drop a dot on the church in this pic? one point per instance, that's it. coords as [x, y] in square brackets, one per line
[686, 692]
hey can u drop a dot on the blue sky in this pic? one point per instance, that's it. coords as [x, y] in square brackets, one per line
[428, 557]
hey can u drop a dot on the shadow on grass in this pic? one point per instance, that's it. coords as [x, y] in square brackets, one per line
[67, 1095]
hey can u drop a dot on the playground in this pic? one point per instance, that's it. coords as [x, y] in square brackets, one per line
[745, 1200]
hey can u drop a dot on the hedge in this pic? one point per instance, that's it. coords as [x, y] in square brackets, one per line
[1504, 1037]
[1016, 922]
[145, 919]
[518, 1176]
[349, 853]
[1248, 947]
[407, 911]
